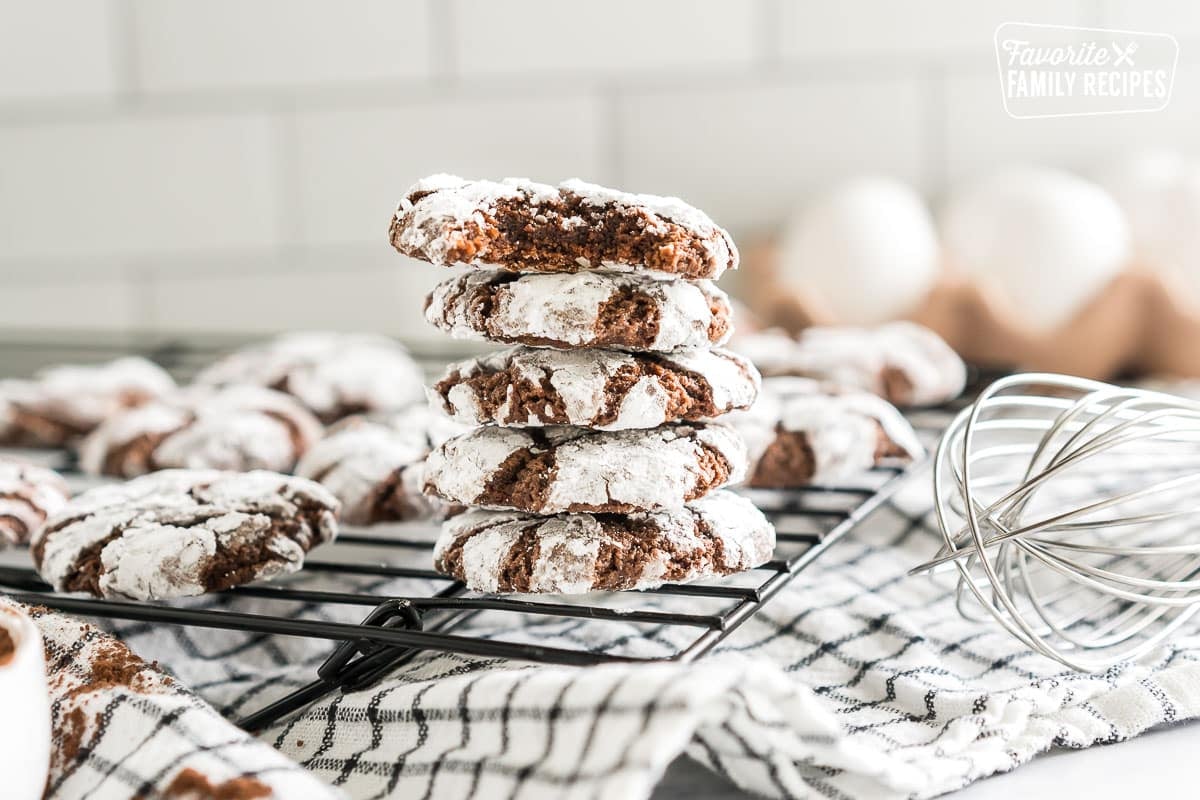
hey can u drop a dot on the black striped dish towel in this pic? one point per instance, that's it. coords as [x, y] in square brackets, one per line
[856, 682]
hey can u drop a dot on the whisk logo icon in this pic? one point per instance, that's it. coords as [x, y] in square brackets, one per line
[1063, 71]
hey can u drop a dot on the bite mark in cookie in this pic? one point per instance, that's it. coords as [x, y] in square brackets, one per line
[623, 311]
[522, 226]
[559, 469]
[603, 389]
[505, 551]
[183, 532]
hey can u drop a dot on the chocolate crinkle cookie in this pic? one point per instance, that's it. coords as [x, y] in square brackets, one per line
[603, 389]
[902, 362]
[28, 494]
[233, 428]
[802, 432]
[522, 226]
[587, 309]
[556, 469]
[61, 404]
[375, 465]
[509, 551]
[334, 375]
[178, 533]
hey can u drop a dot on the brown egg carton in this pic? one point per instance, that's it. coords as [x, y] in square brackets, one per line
[1140, 323]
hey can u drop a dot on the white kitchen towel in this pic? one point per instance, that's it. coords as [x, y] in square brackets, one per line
[857, 681]
[122, 729]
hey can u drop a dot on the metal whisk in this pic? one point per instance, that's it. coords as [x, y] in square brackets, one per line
[1069, 508]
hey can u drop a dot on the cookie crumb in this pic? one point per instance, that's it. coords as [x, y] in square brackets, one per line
[70, 734]
[112, 665]
[192, 785]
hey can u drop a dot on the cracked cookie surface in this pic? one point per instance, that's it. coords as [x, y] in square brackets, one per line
[375, 465]
[602, 389]
[234, 428]
[557, 469]
[178, 533]
[28, 494]
[588, 309]
[334, 375]
[902, 362]
[509, 551]
[802, 432]
[61, 404]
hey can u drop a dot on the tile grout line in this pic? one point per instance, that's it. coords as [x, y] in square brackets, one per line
[384, 94]
[122, 26]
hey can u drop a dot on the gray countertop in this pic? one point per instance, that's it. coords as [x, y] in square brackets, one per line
[1155, 765]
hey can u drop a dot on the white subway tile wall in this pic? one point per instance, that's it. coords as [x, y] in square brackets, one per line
[980, 136]
[226, 45]
[139, 184]
[57, 49]
[764, 147]
[216, 165]
[926, 29]
[362, 292]
[537, 38]
[350, 166]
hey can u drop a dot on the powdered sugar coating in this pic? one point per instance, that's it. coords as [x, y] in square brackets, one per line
[419, 426]
[841, 426]
[233, 428]
[64, 402]
[901, 361]
[446, 220]
[28, 494]
[11, 391]
[568, 310]
[333, 374]
[602, 389]
[377, 471]
[91, 392]
[178, 533]
[611, 471]
[577, 553]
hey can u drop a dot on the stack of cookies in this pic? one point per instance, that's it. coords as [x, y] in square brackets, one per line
[594, 466]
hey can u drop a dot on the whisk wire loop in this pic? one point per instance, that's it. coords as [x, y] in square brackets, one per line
[1069, 510]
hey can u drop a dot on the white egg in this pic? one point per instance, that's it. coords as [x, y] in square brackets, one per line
[867, 250]
[1045, 239]
[1160, 195]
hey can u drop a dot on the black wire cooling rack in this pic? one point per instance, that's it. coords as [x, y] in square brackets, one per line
[808, 522]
